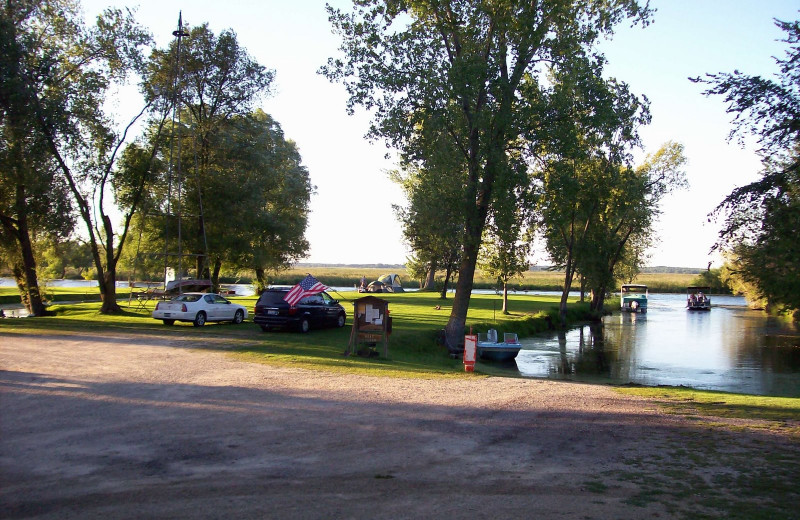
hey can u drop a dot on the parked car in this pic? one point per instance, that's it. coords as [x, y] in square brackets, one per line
[316, 311]
[199, 308]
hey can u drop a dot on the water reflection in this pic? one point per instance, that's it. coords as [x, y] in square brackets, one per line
[730, 348]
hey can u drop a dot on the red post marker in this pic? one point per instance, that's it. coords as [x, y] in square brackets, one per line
[470, 351]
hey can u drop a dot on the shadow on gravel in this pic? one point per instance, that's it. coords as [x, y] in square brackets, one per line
[132, 450]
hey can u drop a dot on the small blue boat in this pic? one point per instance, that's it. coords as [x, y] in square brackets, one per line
[492, 350]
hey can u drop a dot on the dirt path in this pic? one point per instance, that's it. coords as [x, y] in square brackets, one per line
[126, 427]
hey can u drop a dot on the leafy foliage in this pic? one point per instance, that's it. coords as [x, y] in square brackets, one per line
[761, 219]
[217, 89]
[474, 73]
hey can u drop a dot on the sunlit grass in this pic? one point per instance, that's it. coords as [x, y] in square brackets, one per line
[763, 412]
[413, 350]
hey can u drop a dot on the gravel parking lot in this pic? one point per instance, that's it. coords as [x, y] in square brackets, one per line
[126, 426]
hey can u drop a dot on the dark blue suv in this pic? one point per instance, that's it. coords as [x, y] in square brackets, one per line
[316, 311]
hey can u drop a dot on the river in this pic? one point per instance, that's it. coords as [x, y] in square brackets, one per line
[729, 348]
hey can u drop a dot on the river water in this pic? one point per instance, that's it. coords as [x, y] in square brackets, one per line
[729, 348]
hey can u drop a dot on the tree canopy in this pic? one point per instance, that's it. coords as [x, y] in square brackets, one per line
[58, 72]
[477, 71]
[761, 219]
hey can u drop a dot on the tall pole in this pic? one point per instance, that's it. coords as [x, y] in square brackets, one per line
[175, 158]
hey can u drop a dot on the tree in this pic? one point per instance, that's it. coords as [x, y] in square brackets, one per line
[65, 78]
[33, 202]
[259, 211]
[761, 219]
[628, 206]
[60, 255]
[259, 220]
[592, 126]
[504, 255]
[219, 81]
[475, 70]
[432, 219]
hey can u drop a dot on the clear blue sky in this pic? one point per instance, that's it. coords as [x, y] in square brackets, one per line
[352, 220]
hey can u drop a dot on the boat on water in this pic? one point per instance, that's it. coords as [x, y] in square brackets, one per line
[490, 349]
[696, 299]
[633, 298]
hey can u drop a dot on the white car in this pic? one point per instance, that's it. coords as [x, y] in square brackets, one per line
[199, 308]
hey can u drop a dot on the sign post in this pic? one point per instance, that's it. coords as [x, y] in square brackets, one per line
[470, 351]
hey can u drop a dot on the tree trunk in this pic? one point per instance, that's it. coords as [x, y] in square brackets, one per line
[598, 299]
[505, 298]
[568, 276]
[261, 280]
[430, 279]
[35, 303]
[108, 277]
[108, 292]
[583, 288]
[215, 275]
[19, 278]
[447, 274]
[454, 331]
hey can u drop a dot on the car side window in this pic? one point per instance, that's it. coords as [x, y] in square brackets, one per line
[314, 299]
[208, 298]
[326, 299]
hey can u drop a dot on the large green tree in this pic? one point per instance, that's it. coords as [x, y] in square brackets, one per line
[761, 219]
[591, 129]
[217, 81]
[476, 68]
[627, 208]
[66, 76]
[431, 220]
[259, 214]
[256, 208]
[34, 201]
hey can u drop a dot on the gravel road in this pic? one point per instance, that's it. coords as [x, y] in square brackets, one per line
[126, 426]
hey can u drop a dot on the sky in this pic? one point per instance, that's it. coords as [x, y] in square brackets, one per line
[352, 220]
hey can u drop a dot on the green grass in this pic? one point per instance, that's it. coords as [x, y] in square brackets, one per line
[740, 459]
[413, 351]
[780, 414]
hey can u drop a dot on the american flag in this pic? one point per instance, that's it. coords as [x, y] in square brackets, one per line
[308, 286]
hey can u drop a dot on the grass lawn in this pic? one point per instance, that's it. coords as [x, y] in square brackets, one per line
[413, 350]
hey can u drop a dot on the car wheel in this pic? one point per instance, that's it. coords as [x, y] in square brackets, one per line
[169, 322]
[238, 317]
[340, 319]
[304, 325]
[200, 319]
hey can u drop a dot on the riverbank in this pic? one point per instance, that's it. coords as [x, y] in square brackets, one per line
[130, 425]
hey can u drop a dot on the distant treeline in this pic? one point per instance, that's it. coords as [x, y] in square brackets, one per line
[648, 270]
